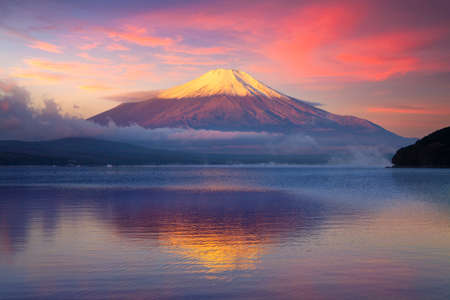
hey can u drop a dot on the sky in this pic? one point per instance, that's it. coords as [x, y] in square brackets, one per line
[386, 61]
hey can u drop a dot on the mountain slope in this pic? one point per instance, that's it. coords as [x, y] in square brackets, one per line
[232, 100]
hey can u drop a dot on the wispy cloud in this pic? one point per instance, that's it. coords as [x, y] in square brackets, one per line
[41, 76]
[408, 110]
[31, 41]
[137, 35]
[45, 46]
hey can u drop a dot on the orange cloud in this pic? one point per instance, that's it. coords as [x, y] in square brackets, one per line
[407, 110]
[45, 46]
[41, 76]
[52, 66]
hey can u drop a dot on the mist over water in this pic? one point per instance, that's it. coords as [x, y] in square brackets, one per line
[224, 232]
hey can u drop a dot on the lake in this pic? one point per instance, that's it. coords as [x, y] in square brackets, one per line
[224, 232]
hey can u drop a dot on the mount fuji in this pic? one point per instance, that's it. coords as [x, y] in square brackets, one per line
[232, 100]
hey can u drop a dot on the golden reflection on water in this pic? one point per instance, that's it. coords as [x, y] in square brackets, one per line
[217, 252]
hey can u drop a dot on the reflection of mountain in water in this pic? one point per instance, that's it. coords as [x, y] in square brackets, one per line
[19, 208]
[219, 230]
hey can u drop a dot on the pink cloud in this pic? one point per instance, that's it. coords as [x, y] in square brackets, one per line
[301, 41]
[137, 35]
[325, 42]
[45, 46]
[320, 40]
[32, 42]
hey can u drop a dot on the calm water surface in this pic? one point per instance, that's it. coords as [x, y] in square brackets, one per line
[224, 232]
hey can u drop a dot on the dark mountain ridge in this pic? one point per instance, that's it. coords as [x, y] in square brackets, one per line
[90, 151]
[84, 151]
[431, 151]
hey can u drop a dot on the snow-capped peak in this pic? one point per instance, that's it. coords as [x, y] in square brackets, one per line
[221, 82]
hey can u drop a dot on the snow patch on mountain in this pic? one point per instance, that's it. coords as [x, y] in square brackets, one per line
[221, 82]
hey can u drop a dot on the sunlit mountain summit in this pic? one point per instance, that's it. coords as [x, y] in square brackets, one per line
[222, 82]
[233, 100]
[226, 99]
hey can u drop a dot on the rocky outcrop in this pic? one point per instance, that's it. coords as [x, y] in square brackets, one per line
[431, 151]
